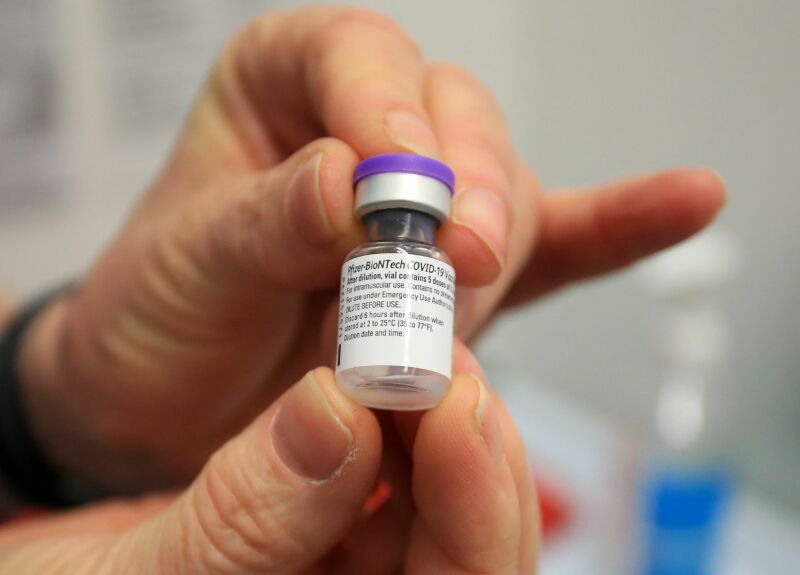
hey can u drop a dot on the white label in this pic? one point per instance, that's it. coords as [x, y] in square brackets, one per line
[396, 309]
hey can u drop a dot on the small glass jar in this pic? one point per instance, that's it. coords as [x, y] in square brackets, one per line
[395, 336]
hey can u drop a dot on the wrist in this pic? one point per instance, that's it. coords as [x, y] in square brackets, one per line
[30, 473]
[41, 380]
[78, 427]
[47, 397]
[58, 407]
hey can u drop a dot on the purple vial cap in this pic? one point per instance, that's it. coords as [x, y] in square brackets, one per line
[405, 163]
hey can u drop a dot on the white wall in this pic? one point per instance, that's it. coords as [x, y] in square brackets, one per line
[592, 90]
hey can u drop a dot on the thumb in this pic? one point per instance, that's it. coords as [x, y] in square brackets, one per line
[289, 226]
[272, 500]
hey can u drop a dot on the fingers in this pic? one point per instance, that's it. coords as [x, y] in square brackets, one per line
[293, 76]
[365, 79]
[275, 498]
[195, 299]
[476, 144]
[468, 506]
[530, 520]
[377, 544]
[465, 362]
[592, 232]
[354, 75]
[407, 422]
[529, 534]
[290, 227]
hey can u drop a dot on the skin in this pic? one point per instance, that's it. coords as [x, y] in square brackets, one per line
[219, 294]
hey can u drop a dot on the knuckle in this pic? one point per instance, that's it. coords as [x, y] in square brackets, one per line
[478, 102]
[241, 231]
[231, 67]
[218, 514]
[360, 23]
[244, 523]
[487, 172]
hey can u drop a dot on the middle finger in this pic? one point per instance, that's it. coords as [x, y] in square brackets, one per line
[475, 143]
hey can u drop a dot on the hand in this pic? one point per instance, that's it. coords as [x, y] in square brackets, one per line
[280, 497]
[220, 291]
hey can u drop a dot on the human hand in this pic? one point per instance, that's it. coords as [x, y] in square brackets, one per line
[220, 291]
[292, 493]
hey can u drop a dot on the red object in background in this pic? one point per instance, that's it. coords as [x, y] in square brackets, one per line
[380, 495]
[554, 506]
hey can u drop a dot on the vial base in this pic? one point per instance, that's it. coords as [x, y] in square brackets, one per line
[393, 387]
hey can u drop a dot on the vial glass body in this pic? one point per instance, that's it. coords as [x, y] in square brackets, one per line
[405, 239]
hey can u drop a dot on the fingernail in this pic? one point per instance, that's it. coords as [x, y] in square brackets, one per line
[411, 132]
[308, 436]
[306, 207]
[488, 421]
[463, 311]
[485, 213]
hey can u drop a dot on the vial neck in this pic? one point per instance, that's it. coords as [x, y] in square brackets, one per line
[400, 224]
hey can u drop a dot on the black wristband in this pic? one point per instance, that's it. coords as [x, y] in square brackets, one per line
[27, 472]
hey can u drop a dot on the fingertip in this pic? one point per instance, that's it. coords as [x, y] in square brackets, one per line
[698, 195]
[641, 215]
[474, 260]
[464, 391]
[709, 190]
[320, 191]
[486, 214]
[452, 431]
[590, 232]
[410, 132]
[294, 223]
[488, 421]
[320, 435]
[308, 215]
[360, 420]
[698, 178]
[464, 361]
[368, 84]
[407, 422]
[463, 486]
[281, 494]
[336, 185]
[466, 384]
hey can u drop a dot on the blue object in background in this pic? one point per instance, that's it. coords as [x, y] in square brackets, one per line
[684, 511]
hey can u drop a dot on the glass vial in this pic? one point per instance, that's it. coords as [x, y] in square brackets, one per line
[395, 338]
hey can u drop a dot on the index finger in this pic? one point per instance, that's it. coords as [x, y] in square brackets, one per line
[467, 502]
[344, 72]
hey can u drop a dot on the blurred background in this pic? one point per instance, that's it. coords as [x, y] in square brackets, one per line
[92, 93]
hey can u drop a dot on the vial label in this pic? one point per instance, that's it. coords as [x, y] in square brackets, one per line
[396, 309]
